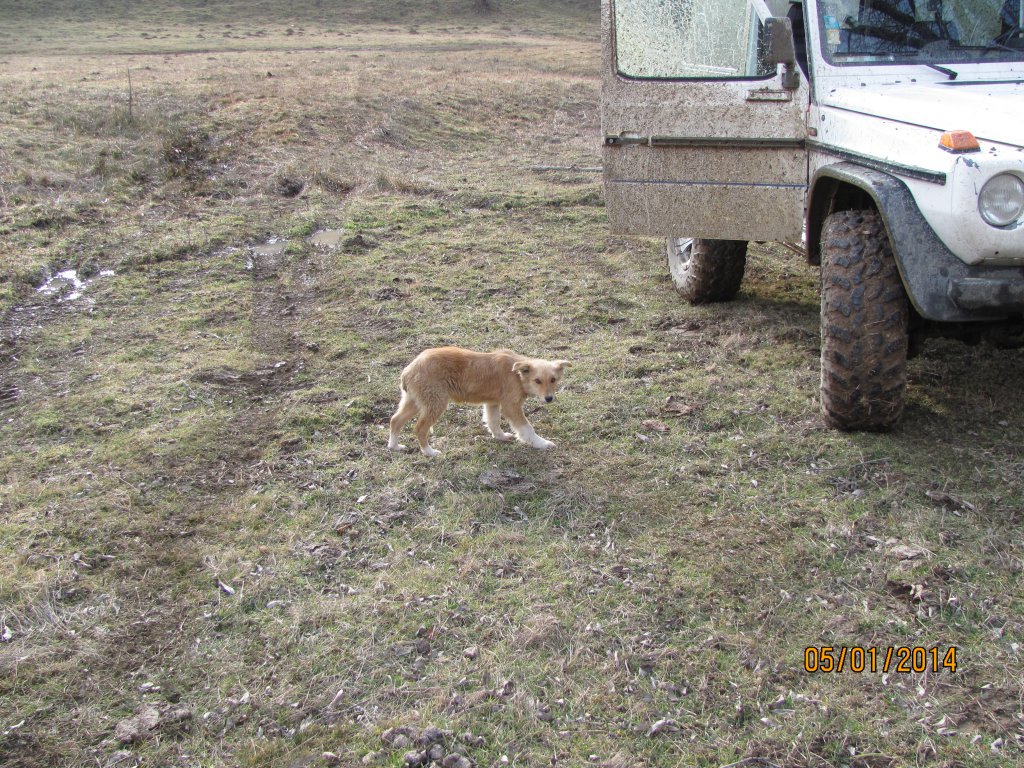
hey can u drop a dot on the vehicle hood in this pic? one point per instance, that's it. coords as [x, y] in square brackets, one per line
[991, 111]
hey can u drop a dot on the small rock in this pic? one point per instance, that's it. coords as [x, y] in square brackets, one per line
[138, 727]
[330, 758]
[905, 552]
[372, 758]
[414, 759]
[471, 653]
[435, 752]
[457, 761]
[401, 742]
[178, 714]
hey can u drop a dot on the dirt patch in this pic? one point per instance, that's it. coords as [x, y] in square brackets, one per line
[285, 292]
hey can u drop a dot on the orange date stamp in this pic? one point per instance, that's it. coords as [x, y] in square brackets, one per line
[898, 659]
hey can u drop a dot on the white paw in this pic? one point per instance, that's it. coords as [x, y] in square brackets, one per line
[503, 436]
[542, 444]
[430, 453]
[396, 446]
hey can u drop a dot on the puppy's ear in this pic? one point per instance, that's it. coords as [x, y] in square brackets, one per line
[560, 364]
[521, 367]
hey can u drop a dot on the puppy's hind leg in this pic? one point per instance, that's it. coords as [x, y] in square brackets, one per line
[492, 418]
[406, 410]
[430, 412]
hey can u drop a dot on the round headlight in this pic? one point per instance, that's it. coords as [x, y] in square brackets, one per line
[1001, 201]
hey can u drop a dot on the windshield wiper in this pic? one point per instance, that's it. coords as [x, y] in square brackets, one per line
[951, 74]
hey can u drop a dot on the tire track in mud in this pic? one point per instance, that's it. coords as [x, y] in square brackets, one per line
[283, 295]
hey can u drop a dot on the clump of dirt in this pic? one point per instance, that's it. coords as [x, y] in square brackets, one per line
[186, 152]
[287, 186]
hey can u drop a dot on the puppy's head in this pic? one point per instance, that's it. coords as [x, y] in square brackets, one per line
[540, 377]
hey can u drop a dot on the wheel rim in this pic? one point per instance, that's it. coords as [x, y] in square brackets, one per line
[681, 250]
[680, 253]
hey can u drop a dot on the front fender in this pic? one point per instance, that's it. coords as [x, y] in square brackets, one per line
[939, 285]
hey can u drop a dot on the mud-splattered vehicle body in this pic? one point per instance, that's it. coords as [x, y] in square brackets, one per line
[885, 135]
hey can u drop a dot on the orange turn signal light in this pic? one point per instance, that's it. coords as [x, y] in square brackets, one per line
[959, 141]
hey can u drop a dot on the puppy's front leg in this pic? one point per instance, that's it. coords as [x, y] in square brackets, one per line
[524, 429]
[492, 418]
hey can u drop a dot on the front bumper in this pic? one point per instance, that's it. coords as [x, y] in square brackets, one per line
[980, 294]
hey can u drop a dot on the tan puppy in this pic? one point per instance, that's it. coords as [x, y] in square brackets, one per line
[499, 380]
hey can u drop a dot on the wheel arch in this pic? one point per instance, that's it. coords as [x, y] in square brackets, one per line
[839, 187]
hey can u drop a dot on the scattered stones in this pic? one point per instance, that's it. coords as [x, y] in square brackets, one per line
[430, 746]
[471, 652]
[431, 735]
[414, 758]
[401, 737]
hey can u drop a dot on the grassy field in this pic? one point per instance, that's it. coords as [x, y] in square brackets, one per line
[207, 556]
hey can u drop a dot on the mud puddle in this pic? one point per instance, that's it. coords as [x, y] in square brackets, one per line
[273, 247]
[324, 239]
[328, 239]
[66, 285]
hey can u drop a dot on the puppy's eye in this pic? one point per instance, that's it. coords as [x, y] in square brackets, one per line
[553, 381]
[536, 381]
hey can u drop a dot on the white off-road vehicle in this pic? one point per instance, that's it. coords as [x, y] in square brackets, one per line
[885, 135]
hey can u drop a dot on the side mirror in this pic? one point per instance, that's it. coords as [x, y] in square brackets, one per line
[781, 49]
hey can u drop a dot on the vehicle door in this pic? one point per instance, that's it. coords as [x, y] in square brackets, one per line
[703, 137]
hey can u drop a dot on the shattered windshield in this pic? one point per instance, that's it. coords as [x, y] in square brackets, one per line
[921, 31]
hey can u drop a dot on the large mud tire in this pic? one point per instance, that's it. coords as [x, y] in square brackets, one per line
[706, 270]
[864, 324]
